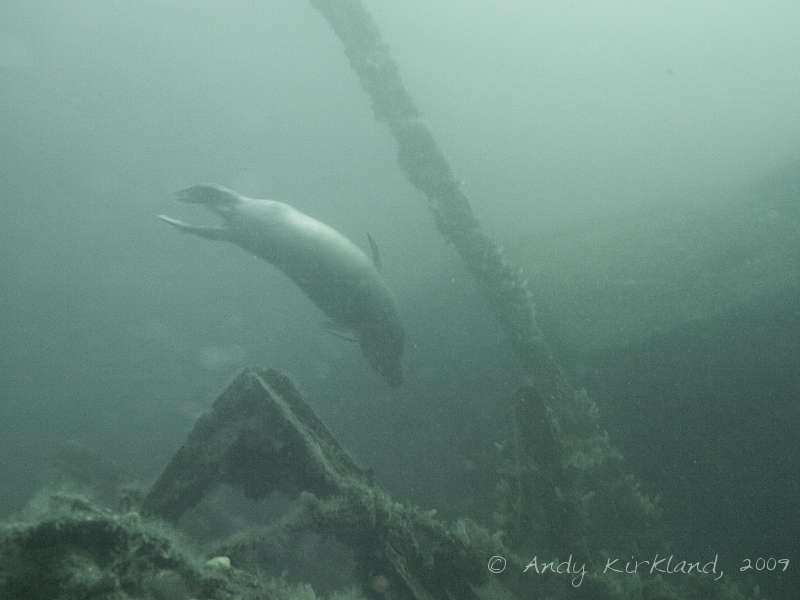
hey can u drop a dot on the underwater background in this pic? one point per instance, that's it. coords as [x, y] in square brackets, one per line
[640, 163]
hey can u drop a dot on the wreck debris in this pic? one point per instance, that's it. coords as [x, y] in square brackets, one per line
[534, 505]
[260, 426]
[260, 436]
[77, 549]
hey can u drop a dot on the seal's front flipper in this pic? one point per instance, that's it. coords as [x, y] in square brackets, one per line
[340, 331]
[376, 255]
[210, 233]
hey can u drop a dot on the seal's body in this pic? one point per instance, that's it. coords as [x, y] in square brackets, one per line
[332, 271]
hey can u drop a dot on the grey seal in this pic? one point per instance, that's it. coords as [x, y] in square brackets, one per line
[330, 269]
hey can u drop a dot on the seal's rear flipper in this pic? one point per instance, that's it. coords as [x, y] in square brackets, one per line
[212, 195]
[210, 233]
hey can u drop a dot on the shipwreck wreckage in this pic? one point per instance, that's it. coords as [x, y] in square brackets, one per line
[567, 486]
